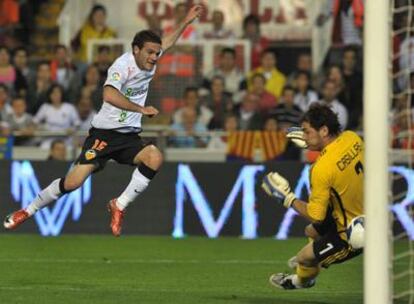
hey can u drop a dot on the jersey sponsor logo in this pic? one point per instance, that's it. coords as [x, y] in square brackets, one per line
[90, 154]
[116, 76]
[130, 92]
[349, 156]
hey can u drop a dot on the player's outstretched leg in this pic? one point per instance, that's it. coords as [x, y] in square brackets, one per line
[148, 160]
[50, 194]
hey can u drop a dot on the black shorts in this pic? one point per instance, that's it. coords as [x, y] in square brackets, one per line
[326, 226]
[102, 145]
[331, 248]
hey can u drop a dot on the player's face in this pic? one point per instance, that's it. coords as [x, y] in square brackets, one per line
[312, 137]
[147, 57]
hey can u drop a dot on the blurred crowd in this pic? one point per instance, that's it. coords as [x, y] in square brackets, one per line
[64, 93]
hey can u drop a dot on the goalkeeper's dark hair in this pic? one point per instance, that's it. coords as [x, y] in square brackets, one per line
[320, 115]
[145, 36]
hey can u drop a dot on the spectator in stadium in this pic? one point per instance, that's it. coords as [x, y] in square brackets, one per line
[20, 122]
[5, 108]
[38, 87]
[57, 150]
[56, 115]
[92, 87]
[103, 61]
[275, 80]
[192, 99]
[62, 70]
[336, 198]
[353, 85]
[251, 31]
[303, 64]
[227, 69]
[94, 28]
[180, 12]
[248, 114]
[402, 130]
[219, 142]
[286, 113]
[218, 30]
[24, 73]
[7, 70]
[267, 101]
[218, 101]
[270, 124]
[86, 112]
[329, 94]
[154, 24]
[9, 21]
[304, 94]
[336, 75]
[348, 16]
[186, 130]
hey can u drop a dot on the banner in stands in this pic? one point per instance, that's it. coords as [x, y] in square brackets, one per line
[209, 199]
[6, 147]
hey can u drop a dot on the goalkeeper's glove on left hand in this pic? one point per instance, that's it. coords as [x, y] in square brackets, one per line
[295, 134]
[278, 187]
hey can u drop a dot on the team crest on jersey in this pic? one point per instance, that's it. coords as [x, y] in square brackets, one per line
[90, 154]
[116, 76]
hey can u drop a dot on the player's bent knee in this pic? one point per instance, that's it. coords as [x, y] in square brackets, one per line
[69, 184]
[152, 157]
[311, 232]
[306, 261]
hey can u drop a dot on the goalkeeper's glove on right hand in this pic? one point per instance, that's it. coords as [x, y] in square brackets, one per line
[278, 187]
[295, 134]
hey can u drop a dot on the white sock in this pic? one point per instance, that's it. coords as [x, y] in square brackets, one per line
[137, 185]
[45, 197]
[296, 281]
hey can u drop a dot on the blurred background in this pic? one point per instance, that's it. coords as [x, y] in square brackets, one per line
[237, 79]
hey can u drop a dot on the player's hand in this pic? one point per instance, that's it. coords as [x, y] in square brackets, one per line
[295, 135]
[193, 13]
[149, 111]
[278, 187]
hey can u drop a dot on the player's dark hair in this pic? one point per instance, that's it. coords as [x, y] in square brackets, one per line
[228, 50]
[320, 115]
[145, 36]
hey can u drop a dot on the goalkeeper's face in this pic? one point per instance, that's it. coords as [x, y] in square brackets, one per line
[313, 138]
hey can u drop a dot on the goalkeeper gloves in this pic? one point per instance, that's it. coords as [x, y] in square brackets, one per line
[278, 187]
[295, 134]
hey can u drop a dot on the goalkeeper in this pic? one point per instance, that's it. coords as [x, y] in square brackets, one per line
[336, 181]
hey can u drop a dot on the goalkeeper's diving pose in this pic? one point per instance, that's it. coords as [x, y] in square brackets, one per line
[336, 181]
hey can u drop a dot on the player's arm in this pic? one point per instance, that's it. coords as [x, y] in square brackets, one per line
[169, 40]
[278, 187]
[115, 98]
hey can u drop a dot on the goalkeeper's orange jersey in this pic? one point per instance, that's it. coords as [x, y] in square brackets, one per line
[336, 180]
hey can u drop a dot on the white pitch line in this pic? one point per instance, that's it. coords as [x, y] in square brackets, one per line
[155, 261]
[134, 289]
[138, 261]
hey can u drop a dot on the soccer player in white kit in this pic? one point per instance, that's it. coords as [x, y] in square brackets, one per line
[115, 129]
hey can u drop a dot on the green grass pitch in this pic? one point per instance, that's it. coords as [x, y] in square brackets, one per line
[103, 269]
